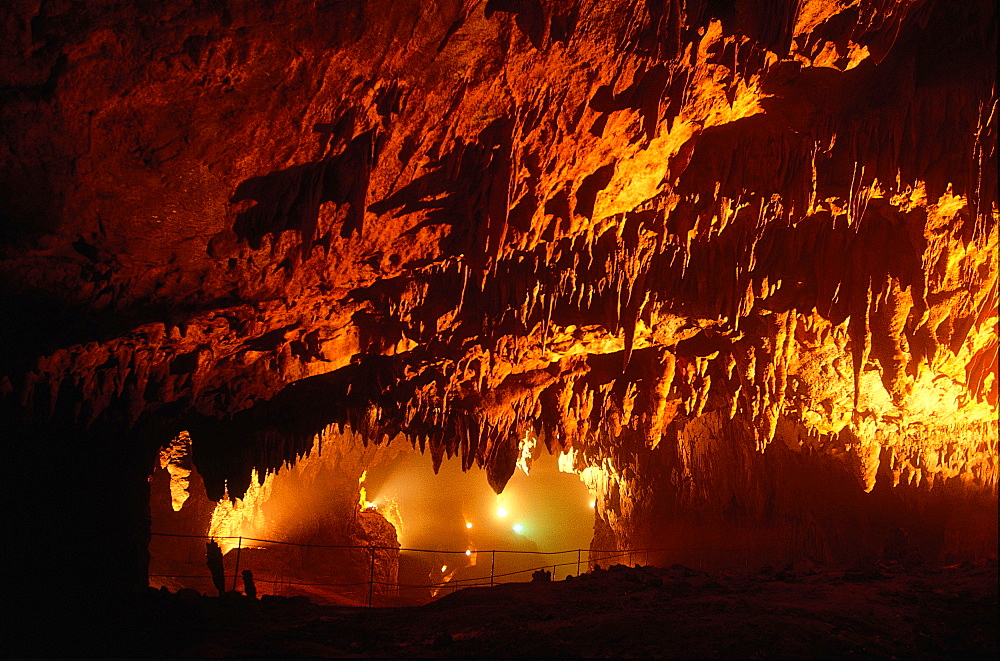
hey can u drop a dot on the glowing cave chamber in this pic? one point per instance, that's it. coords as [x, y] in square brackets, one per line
[347, 523]
[353, 523]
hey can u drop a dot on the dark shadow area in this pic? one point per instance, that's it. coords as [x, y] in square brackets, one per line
[290, 199]
[882, 610]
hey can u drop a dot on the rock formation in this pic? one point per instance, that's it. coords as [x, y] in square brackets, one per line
[292, 528]
[739, 258]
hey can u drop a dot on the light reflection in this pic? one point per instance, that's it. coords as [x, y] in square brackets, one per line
[456, 510]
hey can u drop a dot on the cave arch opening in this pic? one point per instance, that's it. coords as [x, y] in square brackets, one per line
[349, 518]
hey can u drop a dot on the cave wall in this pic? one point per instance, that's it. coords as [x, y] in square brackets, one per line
[296, 524]
[718, 503]
[658, 234]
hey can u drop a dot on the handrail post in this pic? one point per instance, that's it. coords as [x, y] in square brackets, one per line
[493, 564]
[371, 576]
[239, 548]
[578, 552]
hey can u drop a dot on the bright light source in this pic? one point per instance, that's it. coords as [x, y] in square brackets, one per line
[444, 568]
[501, 512]
[468, 525]
[593, 504]
[518, 528]
[468, 552]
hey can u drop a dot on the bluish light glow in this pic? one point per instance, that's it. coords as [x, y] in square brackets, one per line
[518, 528]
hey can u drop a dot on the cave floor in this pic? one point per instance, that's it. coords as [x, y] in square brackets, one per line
[886, 611]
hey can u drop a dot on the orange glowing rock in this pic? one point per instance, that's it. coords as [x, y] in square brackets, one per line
[741, 262]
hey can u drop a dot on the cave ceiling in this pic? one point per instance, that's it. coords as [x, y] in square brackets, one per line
[594, 221]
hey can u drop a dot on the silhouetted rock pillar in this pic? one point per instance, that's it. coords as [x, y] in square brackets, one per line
[248, 585]
[213, 558]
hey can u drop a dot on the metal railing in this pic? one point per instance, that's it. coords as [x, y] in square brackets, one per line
[281, 580]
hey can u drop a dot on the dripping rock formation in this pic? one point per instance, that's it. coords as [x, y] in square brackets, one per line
[737, 260]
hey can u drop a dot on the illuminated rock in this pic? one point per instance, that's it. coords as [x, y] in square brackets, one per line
[741, 260]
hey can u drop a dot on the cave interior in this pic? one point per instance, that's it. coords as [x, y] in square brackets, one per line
[731, 265]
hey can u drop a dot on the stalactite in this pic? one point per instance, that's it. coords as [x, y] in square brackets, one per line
[718, 228]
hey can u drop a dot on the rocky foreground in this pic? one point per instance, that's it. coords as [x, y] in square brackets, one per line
[889, 610]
